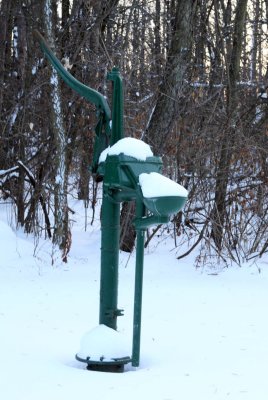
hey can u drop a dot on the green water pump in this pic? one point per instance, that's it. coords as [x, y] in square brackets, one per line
[121, 183]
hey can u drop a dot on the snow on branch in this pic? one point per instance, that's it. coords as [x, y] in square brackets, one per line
[28, 172]
[198, 84]
[4, 172]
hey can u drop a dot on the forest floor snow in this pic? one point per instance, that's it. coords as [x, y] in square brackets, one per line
[204, 331]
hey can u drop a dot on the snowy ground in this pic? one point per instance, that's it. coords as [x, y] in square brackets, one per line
[204, 332]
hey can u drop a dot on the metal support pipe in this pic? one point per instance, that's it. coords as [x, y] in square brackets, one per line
[117, 106]
[140, 212]
[110, 229]
[110, 222]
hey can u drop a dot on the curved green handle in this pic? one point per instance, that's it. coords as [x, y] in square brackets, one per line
[88, 93]
[103, 128]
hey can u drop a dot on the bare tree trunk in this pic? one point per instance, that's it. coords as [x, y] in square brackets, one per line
[5, 7]
[6, 92]
[254, 42]
[228, 141]
[62, 234]
[171, 91]
[91, 20]
[127, 230]
[65, 22]
[157, 37]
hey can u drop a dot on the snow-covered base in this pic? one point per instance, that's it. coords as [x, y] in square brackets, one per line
[103, 344]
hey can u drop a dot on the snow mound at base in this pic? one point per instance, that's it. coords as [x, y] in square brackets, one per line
[103, 343]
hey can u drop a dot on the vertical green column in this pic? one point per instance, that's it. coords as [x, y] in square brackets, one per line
[110, 219]
[117, 106]
[140, 210]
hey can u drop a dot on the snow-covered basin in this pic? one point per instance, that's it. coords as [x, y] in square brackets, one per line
[152, 184]
[103, 343]
[130, 147]
[157, 185]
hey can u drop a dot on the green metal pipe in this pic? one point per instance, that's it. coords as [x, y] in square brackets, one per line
[110, 225]
[146, 222]
[123, 195]
[140, 211]
[117, 106]
[103, 130]
[90, 94]
[110, 228]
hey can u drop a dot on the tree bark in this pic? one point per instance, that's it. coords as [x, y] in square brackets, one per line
[61, 236]
[171, 92]
[228, 141]
[127, 230]
[5, 7]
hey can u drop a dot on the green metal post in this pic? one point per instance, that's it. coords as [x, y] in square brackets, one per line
[140, 211]
[109, 262]
[117, 106]
[110, 222]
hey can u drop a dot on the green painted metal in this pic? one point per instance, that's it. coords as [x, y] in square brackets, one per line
[88, 93]
[110, 221]
[121, 171]
[120, 183]
[166, 205]
[140, 213]
[117, 106]
[110, 228]
[103, 128]
[148, 221]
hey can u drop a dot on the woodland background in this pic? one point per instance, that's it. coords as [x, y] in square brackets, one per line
[196, 79]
